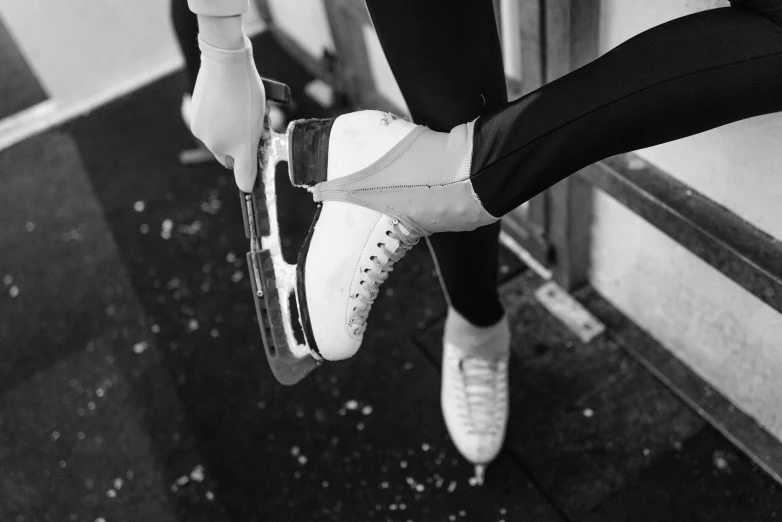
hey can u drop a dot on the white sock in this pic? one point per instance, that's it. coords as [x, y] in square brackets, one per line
[484, 341]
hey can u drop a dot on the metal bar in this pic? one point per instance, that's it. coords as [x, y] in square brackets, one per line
[738, 249]
[568, 232]
[346, 19]
[537, 214]
[512, 47]
[531, 47]
[556, 28]
[523, 255]
[584, 33]
[568, 204]
[534, 243]
[521, 34]
[312, 64]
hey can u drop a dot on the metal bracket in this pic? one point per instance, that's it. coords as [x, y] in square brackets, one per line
[572, 314]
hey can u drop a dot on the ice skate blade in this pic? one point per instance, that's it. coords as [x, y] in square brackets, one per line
[288, 366]
[273, 280]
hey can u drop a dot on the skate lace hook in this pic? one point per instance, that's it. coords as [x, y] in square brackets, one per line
[377, 275]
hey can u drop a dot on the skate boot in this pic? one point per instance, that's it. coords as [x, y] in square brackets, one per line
[382, 184]
[474, 393]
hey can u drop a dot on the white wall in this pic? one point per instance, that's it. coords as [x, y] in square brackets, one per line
[728, 336]
[81, 47]
[88, 52]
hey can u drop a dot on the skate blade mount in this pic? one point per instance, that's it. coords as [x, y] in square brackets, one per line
[273, 280]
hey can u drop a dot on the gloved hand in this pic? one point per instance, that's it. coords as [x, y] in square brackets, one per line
[228, 108]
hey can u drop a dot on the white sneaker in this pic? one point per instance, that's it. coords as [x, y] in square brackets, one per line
[474, 393]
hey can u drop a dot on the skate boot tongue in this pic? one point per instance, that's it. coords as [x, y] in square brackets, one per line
[381, 262]
[474, 389]
[480, 384]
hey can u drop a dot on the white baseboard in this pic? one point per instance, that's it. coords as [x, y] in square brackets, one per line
[51, 113]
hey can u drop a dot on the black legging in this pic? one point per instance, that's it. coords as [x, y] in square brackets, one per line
[674, 80]
[447, 61]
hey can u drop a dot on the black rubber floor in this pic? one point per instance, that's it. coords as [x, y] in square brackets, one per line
[134, 386]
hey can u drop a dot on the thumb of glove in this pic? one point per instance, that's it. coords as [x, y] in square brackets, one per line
[245, 167]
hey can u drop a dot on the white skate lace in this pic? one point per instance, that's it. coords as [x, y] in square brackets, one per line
[377, 275]
[485, 394]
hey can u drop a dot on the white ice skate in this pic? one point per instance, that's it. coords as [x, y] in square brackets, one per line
[383, 183]
[474, 393]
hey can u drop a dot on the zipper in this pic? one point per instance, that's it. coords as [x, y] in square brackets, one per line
[367, 189]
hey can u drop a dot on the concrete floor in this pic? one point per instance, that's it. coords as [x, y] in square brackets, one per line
[135, 387]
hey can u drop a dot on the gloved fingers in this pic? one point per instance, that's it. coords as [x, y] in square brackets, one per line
[245, 168]
[228, 109]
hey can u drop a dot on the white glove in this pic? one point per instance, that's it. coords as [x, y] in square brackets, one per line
[228, 108]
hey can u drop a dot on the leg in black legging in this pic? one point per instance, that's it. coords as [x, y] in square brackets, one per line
[680, 78]
[186, 29]
[447, 61]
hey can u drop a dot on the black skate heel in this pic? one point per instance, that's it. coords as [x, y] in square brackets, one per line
[308, 142]
[273, 280]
